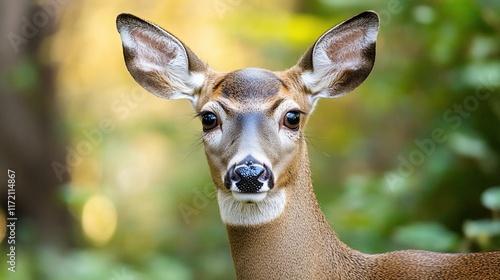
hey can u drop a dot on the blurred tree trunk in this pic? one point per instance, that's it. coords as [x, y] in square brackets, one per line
[30, 137]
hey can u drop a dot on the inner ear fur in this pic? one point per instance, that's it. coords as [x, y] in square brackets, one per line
[342, 58]
[159, 61]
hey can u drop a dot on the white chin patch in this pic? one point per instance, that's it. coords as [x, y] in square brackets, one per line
[250, 209]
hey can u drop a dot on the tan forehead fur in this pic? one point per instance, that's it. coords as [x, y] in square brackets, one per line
[253, 89]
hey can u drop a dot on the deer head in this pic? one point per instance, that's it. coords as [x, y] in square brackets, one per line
[253, 119]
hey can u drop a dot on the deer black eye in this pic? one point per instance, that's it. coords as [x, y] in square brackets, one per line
[292, 120]
[209, 121]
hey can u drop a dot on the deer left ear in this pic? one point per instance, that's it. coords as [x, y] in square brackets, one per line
[341, 59]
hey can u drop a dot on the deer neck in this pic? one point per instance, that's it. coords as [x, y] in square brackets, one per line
[299, 244]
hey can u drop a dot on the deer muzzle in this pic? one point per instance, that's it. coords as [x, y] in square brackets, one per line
[249, 176]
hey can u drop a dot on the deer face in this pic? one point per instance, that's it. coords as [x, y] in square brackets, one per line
[253, 119]
[251, 126]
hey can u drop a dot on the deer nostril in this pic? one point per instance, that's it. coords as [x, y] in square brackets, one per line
[231, 177]
[234, 176]
[265, 175]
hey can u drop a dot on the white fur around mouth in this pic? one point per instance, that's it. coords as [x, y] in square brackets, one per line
[264, 207]
[249, 197]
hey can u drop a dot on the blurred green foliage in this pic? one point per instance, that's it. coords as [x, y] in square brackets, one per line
[491, 199]
[486, 232]
[400, 163]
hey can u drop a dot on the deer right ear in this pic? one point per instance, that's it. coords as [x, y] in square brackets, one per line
[158, 61]
[341, 59]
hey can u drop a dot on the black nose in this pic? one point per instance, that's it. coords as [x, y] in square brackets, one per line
[249, 176]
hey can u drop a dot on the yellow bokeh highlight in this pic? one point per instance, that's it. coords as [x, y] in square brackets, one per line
[99, 219]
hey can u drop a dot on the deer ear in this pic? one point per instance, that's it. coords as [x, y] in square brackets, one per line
[341, 59]
[158, 61]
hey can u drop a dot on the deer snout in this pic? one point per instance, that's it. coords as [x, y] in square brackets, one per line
[249, 176]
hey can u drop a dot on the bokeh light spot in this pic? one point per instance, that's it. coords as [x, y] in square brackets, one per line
[99, 219]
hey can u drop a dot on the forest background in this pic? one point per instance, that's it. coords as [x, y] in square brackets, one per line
[111, 182]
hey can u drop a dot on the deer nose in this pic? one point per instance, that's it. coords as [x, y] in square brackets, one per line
[249, 176]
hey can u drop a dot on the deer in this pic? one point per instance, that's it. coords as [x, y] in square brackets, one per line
[253, 134]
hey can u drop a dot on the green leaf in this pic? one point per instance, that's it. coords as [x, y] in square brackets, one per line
[427, 236]
[491, 198]
[482, 228]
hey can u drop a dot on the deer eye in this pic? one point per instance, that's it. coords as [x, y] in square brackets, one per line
[292, 120]
[209, 121]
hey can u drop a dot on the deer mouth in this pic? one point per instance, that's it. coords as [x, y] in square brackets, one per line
[250, 198]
